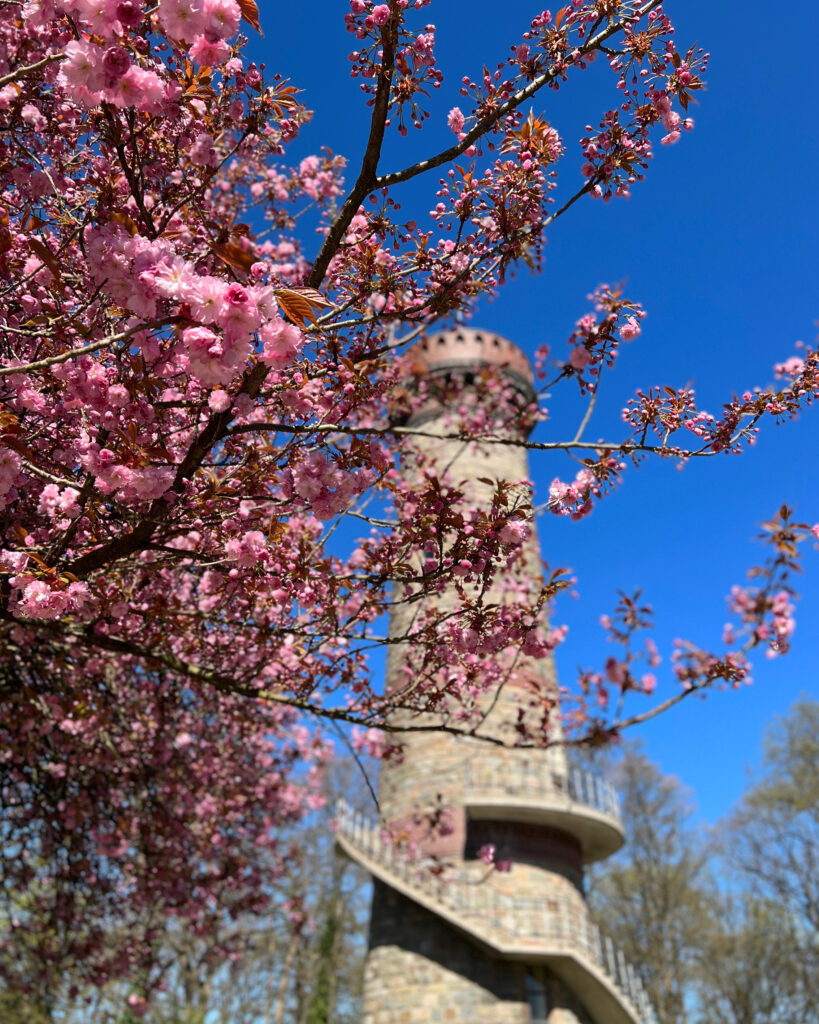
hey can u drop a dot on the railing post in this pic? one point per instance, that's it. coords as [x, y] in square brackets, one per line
[622, 975]
[598, 949]
[611, 966]
[632, 985]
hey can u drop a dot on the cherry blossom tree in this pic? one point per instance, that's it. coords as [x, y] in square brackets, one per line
[195, 398]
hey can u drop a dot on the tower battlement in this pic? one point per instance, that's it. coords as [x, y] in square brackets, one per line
[465, 350]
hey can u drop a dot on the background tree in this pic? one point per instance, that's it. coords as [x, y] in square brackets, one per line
[653, 898]
[718, 922]
[769, 849]
[301, 962]
[773, 836]
[749, 967]
[202, 414]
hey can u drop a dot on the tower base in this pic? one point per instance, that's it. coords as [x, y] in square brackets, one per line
[419, 971]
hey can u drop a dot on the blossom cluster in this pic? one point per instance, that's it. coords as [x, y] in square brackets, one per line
[201, 415]
[380, 29]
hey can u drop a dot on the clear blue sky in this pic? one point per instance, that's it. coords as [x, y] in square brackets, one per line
[719, 244]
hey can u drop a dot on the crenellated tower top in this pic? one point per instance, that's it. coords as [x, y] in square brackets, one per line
[458, 357]
[464, 348]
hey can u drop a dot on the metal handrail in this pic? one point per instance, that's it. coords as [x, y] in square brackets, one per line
[532, 778]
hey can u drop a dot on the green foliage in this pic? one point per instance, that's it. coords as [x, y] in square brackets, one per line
[319, 1007]
[15, 1008]
[749, 970]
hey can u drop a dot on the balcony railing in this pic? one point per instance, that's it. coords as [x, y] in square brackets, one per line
[531, 779]
[554, 925]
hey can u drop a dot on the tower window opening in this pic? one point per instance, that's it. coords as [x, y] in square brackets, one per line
[537, 995]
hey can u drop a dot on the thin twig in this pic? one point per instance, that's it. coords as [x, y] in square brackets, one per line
[501, 111]
[367, 177]
[626, 447]
[95, 346]
[588, 415]
[15, 76]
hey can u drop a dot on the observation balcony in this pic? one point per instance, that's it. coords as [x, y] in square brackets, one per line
[554, 930]
[580, 802]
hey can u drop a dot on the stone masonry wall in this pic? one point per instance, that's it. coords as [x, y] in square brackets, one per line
[420, 971]
[434, 763]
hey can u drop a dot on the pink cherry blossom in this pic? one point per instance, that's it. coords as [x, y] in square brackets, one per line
[221, 18]
[238, 311]
[247, 550]
[84, 66]
[579, 358]
[486, 853]
[630, 329]
[203, 151]
[174, 278]
[182, 19]
[205, 296]
[282, 342]
[456, 121]
[10, 466]
[140, 88]
[514, 533]
[209, 52]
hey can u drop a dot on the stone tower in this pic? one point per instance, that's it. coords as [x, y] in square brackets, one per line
[482, 947]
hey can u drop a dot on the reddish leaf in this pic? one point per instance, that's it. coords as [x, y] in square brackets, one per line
[125, 221]
[18, 446]
[31, 223]
[5, 234]
[250, 12]
[46, 255]
[8, 422]
[158, 451]
[275, 531]
[295, 306]
[283, 99]
[559, 17]
[235, 256]
[36, 558]
[315, 298]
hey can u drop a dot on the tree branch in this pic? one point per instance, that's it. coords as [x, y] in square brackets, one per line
[28, 69]
[626, 447]
[483, 126]
[95, 346]
[366, 182]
